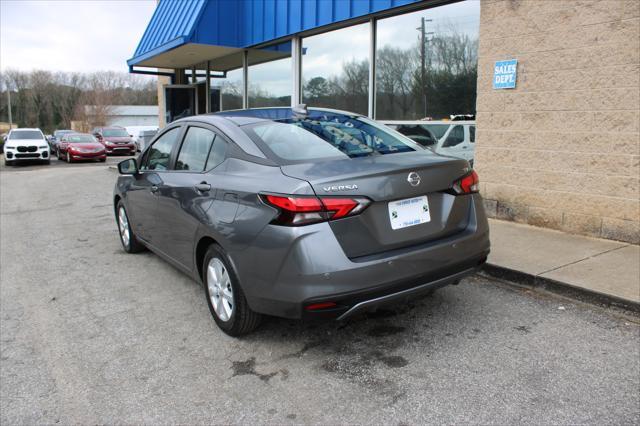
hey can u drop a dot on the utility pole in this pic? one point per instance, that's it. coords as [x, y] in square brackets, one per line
[9, 105]
[423, 61]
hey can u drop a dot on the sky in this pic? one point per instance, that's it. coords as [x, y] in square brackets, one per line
[81, 35]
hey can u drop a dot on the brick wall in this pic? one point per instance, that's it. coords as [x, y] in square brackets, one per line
[562, 150]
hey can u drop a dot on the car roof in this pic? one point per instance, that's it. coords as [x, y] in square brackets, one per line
[25, 128]
[447, 122]
[243, 117]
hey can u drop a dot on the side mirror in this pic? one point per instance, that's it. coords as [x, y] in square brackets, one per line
[128, 167]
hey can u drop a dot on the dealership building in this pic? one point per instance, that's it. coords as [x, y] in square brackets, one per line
[554, 85]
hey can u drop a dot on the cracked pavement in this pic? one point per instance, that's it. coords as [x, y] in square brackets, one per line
[90, 334]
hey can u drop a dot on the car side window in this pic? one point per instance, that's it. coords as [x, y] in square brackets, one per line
[195, 149]
[472, 134]
[455, 137]
[217, 154]
[158, 156]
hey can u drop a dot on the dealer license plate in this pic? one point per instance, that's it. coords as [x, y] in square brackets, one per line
[409, 212]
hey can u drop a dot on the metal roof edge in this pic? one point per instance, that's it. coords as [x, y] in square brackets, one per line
[172, 44]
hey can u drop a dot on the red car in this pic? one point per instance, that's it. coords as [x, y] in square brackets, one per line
[80, 146]
[116, 140]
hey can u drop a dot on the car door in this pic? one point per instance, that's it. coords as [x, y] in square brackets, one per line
[188, 191]
[142, 198]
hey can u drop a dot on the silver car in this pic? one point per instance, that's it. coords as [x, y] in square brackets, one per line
[300, 213]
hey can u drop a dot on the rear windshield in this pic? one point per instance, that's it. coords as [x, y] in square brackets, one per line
[80, 139]
[25, 134]
[115, 133]
[438, 129]
[59, 133]
[327, 136]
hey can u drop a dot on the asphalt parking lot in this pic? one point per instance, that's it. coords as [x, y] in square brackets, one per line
[89, 334]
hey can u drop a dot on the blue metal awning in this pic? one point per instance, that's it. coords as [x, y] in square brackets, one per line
[183, 33]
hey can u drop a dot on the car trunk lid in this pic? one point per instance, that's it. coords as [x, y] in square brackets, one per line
[385, 179]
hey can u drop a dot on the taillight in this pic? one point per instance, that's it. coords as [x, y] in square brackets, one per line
[296, 210]
[467, 184]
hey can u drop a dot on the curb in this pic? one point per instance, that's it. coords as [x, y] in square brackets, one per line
[559, 287]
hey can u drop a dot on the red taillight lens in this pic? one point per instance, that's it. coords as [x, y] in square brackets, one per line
[468, 184]
[295, 204]
[340, 207]
[295, 211]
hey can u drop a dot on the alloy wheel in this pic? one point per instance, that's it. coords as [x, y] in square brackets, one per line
[123, 225]
[220, 289]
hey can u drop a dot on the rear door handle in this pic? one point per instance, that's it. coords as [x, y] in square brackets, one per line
[154, 189]
[203, 187]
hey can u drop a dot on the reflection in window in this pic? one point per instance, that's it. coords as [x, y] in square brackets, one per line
[450, 59]
[229, 91]
[195, 149]
[270, 78]
[160, 152]
[335, 69]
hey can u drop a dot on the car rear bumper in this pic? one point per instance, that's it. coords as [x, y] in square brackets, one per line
[312, 268]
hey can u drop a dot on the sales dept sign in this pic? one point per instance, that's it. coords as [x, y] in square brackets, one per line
[504, 74]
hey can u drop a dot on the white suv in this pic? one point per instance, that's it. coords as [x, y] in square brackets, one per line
[26, 145]
[453, 138]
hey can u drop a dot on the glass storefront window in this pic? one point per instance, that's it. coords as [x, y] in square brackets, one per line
[434, 83]
[270, 80]
[335, 69]
[227, 92]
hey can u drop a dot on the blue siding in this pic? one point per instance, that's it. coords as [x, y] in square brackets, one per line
[244, 23]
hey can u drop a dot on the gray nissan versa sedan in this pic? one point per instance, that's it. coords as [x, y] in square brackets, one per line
[300, 213]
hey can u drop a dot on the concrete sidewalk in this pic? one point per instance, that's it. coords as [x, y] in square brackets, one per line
[608, 271]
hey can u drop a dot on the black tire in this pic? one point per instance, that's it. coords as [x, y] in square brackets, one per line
[242, 320]
[134, 245]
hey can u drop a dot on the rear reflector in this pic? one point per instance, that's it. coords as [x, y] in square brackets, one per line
[296, 210]
[319, 306]
[467, 184]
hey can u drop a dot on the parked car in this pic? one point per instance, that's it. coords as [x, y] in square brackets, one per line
[80, 146]
[115, 139]
[455, 138]
[26, 145]
[300, 213]
[55, 138]
[136, 133]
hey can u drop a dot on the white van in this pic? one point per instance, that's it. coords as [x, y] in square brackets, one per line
[454, 138]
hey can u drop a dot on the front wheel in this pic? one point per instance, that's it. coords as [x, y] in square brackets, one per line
[225, 298]
[128, 239]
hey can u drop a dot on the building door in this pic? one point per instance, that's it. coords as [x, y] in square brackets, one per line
[180, 101]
